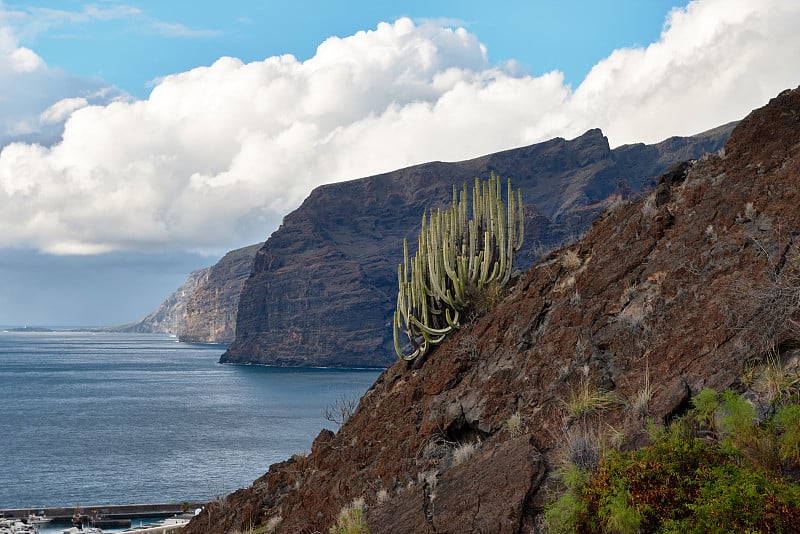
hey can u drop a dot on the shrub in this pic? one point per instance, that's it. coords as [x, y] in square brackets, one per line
[340, 410]
[619, 515]
[564, 514]
[681, 483]
[787, 419]
[705, 404]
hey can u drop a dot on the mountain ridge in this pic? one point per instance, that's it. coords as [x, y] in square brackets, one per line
[337, 254]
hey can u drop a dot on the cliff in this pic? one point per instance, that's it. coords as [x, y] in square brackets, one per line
[684, 289]
[210, 310]
[203, 309]
[323, 287]
[169, 317]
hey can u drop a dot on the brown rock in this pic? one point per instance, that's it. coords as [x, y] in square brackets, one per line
[676, 290]
[203, 309]
[324, 286]
[210, 310]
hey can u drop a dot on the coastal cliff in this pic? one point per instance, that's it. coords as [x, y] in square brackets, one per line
[210, 310]
[169, 317]
[682, 290]
[203, 309]
[323, 287]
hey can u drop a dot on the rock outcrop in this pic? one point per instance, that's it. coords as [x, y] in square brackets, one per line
[324, 286]
[682, 288]
[203, 309]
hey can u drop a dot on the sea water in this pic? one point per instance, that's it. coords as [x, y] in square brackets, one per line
[102, 418]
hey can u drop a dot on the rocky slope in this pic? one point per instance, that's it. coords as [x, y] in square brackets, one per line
[682, 288]
[323, 287]
[203, 309]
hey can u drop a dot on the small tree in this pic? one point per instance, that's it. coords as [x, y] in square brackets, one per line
[456, 259]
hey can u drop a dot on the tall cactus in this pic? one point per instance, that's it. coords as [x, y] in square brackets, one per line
[456, 256]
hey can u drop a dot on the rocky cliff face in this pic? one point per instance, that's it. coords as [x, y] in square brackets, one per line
[210, 310]
[324, 286]
[682, 288]
[169, 317]
[203, 309]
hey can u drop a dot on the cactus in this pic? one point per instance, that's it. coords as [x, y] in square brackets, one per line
[456, 256]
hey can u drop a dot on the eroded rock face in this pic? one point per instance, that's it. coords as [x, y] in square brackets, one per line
[203, 309]
[324, 286]
[210, 310]
[169, 317]
[675, 287]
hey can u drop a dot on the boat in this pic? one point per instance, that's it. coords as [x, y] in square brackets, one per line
[15, 526]
[40, 519]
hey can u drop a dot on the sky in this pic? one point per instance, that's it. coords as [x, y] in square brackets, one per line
[140, 140]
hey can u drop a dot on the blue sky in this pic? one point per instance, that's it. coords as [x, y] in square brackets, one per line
[156, 38]
[140, 140]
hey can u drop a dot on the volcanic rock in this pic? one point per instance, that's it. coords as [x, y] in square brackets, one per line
[203, 309]
[678, 289]
[324, 286]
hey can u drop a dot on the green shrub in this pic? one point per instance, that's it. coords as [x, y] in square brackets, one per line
[740, 499]
[618, 515]
[684, 484]
[564, 515]
[736, 416]
[787, 419]
[705, 404]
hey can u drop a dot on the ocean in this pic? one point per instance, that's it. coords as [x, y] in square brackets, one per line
[102, 418]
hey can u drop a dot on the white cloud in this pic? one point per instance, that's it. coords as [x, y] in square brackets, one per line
[29, 89]
[217, 155]
[62, 109]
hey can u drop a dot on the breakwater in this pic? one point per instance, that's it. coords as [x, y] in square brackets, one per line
[105, 511]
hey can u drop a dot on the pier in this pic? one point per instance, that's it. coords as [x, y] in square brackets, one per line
[105, 512]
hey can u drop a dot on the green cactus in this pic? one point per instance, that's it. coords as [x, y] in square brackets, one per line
[456, 257]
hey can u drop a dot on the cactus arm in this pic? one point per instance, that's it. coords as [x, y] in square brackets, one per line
[455, 255]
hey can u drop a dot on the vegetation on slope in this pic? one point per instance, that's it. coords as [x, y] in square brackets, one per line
[719, 468]
[458, 260]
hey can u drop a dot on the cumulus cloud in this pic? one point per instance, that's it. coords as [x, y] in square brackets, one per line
[217, 155]
[62, 109]
[30, 90]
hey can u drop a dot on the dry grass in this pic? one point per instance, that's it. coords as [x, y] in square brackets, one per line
[750, 212]
[649, 209]
[272, 524]
[775, 380]
[382, 496]
[586, 401]
[513, 424]
[774, 308]
[584, 446]
[641, 401]
[351, 519]
[464, 452]
[571, 261]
